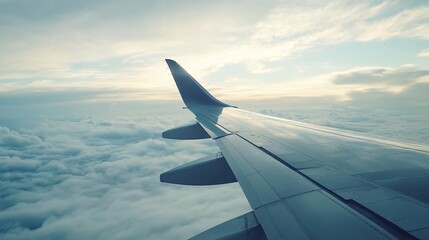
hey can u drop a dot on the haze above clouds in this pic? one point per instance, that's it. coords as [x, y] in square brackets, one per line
[85, 94]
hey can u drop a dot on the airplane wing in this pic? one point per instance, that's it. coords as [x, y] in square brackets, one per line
[303, 181]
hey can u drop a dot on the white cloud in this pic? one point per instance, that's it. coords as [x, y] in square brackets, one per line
[14, 140]
[424, 53]
[337, 84]
[381, 76]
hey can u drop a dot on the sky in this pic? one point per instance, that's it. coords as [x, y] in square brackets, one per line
[85, 94]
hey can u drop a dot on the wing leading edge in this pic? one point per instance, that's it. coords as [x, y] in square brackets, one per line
[293, 194]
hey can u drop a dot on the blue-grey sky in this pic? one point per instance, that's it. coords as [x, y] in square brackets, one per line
[85, 94]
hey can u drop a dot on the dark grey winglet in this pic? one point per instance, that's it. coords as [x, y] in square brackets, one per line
[191, 91]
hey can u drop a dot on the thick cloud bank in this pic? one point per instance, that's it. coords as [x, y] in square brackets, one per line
[97, 178]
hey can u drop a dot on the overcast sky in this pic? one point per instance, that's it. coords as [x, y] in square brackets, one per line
[85, 94]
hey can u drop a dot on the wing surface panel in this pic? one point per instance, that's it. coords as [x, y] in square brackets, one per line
[340, 161]
[278, 196]
[352, 155]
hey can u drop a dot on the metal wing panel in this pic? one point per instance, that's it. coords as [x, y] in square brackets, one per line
[351, 154]
[329, 145]
[346, 163]
[268, 178]
[288, 205]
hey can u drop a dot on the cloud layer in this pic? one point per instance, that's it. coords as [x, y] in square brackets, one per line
[95, 178]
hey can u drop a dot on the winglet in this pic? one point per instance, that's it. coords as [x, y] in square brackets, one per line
[191, 91]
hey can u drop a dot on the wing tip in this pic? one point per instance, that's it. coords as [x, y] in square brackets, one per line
[190, 90]
[168, 60]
